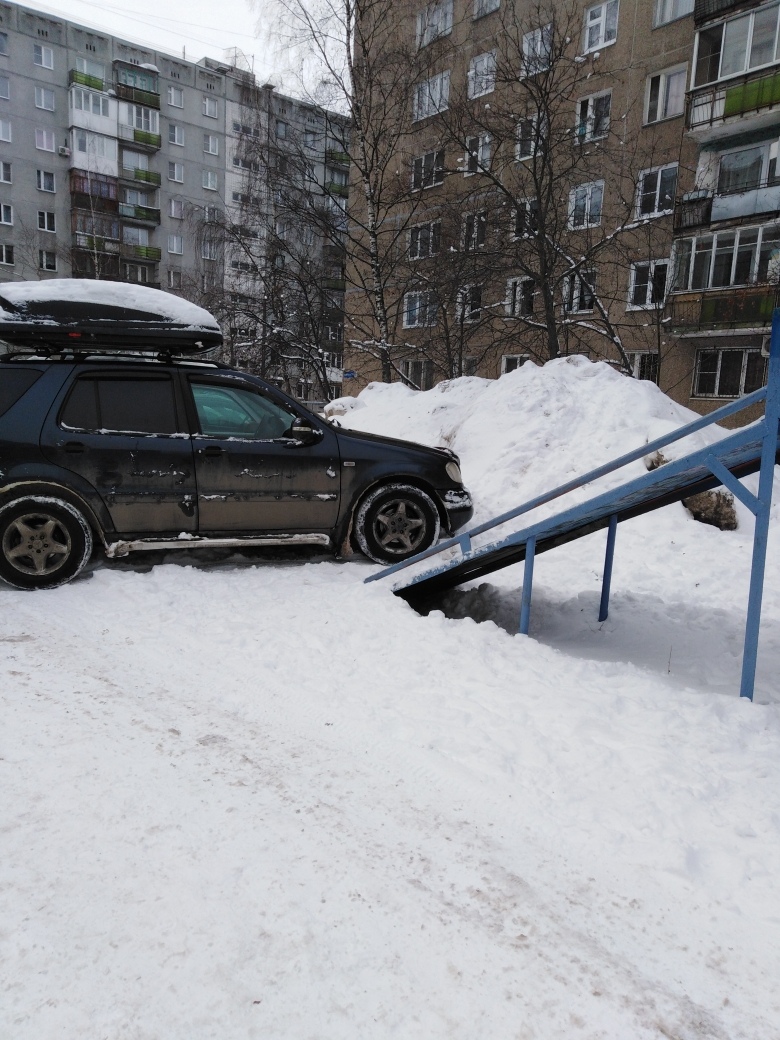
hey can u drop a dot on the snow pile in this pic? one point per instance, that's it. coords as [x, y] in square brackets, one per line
[258, 798]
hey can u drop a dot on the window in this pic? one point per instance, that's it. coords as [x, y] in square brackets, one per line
[748, 168]
[46, 220]
[145, 119]
[656, 191]
[231, 412]
[424, 240]
[174, 279]
[44, 180]
[420, 308]
[121, 405]
[134, 160]
[474, 230]
[477, 154]
[644, 365]
[5, 87]
[175, 97]
[526, 218]
[593, 116]
[428, 170]
[175, 244]
[470, 303]
[212, 215]
[5, 172]
[738, 45]
[728, 373]
[43, 56]
[482, 7]
[209, 250]
[669, 10]
[133, 236]
[95, 144]
[526, 138]
[87, 101]
[44, 98]
[47, 260]
[138, 273]
[5, 130]
[210, 107]
[91, 68]
[600, 25]
[537, 50]
[736, 257]
[209, 180]
[482, 75]
[6, 213]
[580, 292]
[281, 129]
[211, 144]
[585, 205]
[511, 362]
[44, 140]
[7, 255]
[176, 134]
[434, 21]
[3, 43]
[648, 284]
[520, 297]
[417, 374]
[666, 94]
[431, 96]
[176, 172]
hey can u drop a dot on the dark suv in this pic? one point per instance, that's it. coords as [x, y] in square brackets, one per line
[114, 429]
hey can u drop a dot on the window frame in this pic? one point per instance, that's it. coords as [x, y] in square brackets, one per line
[536, 50]
[6, 214]
[47, 260]
[47, 217]
[426, 306]
[436, 168]
[40, 93]
[515, 297]
[651, 284]
[6, 131]
[40, 181]
[209, 180]
[208, 141]
[175, 240]
[575, 285]
[521, 360]
[434, 22]
[175, 168]
[479, 152]
[7, 254]
[431, 97]
[173, 92]
[531, 122]
[585, 129]
[603, 24]
[470, 303]
[44, 52]
[43, 134]
[588, 222]
[481, 76]
[663, 76]
[747, 68]
[432, 230]
[658, 20]
[719, 352]
[640, 193]
[207, 105]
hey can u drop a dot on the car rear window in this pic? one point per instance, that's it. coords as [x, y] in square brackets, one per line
[121, 405]
[14, 384]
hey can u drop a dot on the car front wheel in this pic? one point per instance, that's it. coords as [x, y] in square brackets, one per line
[44, 542]
[395, 522]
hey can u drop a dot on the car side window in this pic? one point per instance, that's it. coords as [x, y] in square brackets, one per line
[121, 405]
[228, 411]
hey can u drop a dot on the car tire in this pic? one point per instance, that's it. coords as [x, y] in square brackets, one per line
[44, 542]
[396, 522]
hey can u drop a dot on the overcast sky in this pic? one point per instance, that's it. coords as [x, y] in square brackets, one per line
[198, 27]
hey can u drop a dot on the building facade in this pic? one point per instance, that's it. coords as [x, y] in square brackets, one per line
[121, 162]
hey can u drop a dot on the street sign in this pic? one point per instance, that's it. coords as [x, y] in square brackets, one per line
[350, 374]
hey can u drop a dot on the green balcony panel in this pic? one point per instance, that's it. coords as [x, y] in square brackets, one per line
[338, 189]
[752, 96]
[94, 82]
[144, 137]
[736, 309]
[335, 156]
[148, 176]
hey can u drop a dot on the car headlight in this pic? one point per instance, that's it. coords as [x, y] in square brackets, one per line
[453, 472]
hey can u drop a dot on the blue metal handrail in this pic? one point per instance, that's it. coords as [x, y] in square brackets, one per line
[464, 540]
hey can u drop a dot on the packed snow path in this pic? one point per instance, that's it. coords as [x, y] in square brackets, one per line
[258, 799]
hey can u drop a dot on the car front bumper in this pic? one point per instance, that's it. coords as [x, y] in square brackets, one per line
[460, 509]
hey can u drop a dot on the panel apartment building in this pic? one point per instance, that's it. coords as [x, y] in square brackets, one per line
[592, 178]
[121, 162]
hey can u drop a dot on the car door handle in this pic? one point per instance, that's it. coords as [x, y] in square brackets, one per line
[73, 447]
[212, 450]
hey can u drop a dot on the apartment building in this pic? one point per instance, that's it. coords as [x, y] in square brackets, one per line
[662, 133]
[121, 162]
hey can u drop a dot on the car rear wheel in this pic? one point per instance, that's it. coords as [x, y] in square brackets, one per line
[395, 522]
[44, 542]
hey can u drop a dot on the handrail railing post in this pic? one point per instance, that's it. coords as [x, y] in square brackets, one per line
[528, 578]
[607, 579]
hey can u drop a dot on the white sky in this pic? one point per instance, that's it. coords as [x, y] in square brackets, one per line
[200, 27]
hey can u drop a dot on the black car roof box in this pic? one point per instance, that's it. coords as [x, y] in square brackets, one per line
[79, 313]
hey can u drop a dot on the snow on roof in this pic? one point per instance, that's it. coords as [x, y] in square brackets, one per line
[154, 303]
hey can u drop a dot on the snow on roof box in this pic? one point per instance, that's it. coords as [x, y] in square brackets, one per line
[109, 315]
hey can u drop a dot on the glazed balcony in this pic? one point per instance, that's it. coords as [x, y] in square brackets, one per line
[94, 243]
[747, 306]
[141, 138]
[706, 10]
[706, 208]
[722, 109]
[82, 79]
[130, 252]
[139, 214]
[332, 155]
[139, 97]
[334, 188]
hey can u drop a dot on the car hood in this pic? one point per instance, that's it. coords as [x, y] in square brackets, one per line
[375, 438]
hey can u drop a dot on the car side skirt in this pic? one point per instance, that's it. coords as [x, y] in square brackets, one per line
[125, 547]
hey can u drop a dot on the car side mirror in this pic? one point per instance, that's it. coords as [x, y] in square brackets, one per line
[304, 432]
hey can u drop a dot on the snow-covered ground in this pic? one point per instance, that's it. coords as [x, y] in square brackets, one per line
[256, 798]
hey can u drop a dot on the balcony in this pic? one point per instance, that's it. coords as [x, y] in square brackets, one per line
[137, 96]
[692, 211]
[143, 138]
[144, 176]
[705, 208]
[334, 188]
[721, 109]
[141, 252]
[84, 80]
[334, 283]
[332, 155]
[706, 10]
[749, 306]
[142, 214]
[94, 243]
